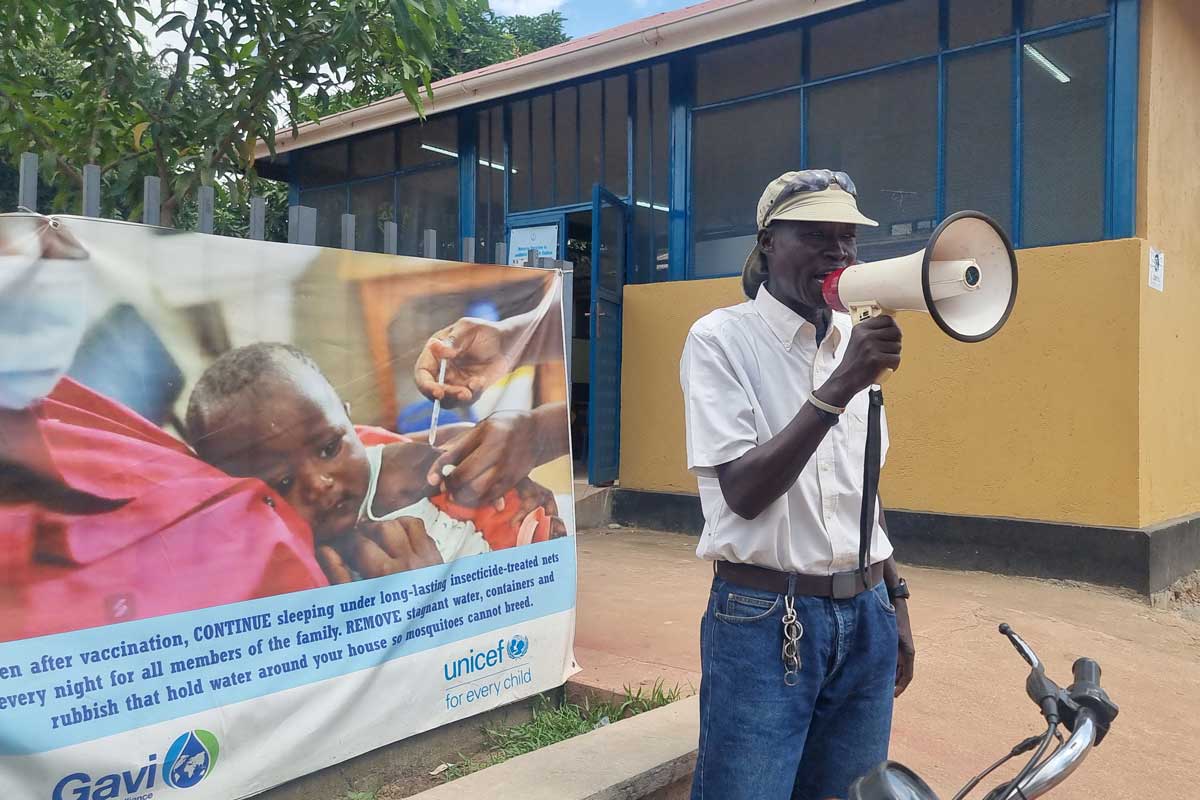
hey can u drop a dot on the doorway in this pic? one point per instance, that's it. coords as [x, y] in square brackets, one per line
[578, 251]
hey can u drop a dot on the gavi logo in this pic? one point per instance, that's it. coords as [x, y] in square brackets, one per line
[190, 758]
[474, 661]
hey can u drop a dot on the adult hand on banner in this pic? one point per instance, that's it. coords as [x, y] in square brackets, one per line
[476, 356]
[494, 456]
[379, 548]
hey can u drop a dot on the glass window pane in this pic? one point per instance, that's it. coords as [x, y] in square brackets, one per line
[591, 157]
[374, 154]
[972, 21]
[518, 192]
[612, 247]
[371, 204]
[489, 186]
[1040, 13]
[979, 133]
[616, 140]
[730, 171]
[566, 146]
[330, 205]
[1064, 88]
[660, 194]
[429, 200]
[759, 65]
[435, 139]
[322, 165]
[860, 126]
[893, 32]
[644, 166]
[543, 152]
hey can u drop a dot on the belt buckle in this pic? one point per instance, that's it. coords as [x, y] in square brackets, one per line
[845, 585]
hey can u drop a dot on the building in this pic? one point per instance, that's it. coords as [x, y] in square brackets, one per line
[1065, 446]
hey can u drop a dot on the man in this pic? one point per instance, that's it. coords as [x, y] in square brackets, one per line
[801, 657]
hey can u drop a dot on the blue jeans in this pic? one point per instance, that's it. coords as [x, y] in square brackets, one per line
[761, 739]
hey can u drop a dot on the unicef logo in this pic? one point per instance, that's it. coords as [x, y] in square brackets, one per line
[517, 646]
[190, 758]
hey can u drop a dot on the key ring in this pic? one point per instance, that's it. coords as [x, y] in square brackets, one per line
[792, 631]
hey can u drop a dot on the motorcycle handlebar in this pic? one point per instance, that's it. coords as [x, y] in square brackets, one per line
[1086, 670]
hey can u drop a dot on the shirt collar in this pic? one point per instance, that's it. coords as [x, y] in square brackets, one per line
[786, 323]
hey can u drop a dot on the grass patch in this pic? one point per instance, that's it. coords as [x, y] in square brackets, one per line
[556, 723]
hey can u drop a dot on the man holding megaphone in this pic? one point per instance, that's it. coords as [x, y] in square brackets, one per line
[806, 639]
[799, 653]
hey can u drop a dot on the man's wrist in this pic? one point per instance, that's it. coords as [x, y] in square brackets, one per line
[834, 392]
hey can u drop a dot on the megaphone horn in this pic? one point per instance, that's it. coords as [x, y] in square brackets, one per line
[965, 278]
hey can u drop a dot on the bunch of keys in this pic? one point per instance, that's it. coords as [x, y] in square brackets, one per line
[792, 631]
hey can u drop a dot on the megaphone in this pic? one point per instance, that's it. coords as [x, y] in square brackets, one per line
[965, 278]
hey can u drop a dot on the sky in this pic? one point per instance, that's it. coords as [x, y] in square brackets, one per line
[590, 16]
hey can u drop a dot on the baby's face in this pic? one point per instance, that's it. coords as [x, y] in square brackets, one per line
[292, 432]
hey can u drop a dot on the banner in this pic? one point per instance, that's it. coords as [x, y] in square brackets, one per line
[266, 507]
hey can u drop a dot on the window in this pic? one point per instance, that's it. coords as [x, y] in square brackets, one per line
[489, 185]
[758, 65]
[1040, 13]
[542, 122]
[1063, 99]
[566, 147]
[322, 165]
[859, 40]
[979, 133]
[972, 21]
[729, 171]
[891, 152]
[373, 154]
[616, 139]
[371, 205]
[651, 203]
[519, 196]
[435, 139]
[428, 201]
[591, 131]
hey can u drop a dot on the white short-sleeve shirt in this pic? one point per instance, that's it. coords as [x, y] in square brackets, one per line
[746, 371]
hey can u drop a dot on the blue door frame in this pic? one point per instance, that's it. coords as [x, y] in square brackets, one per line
[610, 257]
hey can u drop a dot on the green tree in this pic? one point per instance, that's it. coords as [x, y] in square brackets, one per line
[232, 71]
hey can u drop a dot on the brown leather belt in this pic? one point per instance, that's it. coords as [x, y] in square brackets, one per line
[839, 586]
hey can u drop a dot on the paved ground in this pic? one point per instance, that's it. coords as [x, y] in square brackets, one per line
[641, 595]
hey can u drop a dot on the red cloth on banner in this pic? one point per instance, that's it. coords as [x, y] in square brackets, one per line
[187, 535]
[499, 528]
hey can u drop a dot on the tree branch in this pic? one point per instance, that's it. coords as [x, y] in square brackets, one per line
[185, 54]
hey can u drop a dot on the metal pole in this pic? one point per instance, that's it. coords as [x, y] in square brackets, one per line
[151, 200]
[91, 190]
[258, 218]
[348, 232]
[302, 225]
[430, 249]
[206, 200]
[27, 193]
[391, 238]
[468, 250]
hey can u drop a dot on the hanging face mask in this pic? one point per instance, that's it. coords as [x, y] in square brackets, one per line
[48, 296]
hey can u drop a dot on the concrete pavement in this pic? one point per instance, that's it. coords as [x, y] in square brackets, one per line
[641, 595]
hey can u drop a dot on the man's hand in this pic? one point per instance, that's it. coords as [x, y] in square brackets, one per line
[375, 549]
[907, 654]
[874, 347]
[476, 355]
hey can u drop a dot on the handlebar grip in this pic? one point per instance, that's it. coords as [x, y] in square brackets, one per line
[1086, 671]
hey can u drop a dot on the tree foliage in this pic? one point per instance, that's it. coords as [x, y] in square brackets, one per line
[79, 83]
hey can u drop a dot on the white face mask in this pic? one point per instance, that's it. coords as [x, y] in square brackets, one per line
[46, 305]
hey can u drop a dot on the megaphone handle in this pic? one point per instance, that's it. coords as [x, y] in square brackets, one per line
[862, 313]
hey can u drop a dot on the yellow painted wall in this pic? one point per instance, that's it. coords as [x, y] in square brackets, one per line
[1039, 422]
[1169, 219]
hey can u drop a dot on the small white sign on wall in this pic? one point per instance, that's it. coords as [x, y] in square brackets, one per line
[1157, 265]
[543, 238]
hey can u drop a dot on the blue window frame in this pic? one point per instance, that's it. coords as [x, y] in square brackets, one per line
[650, 139]
[1055, 161]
